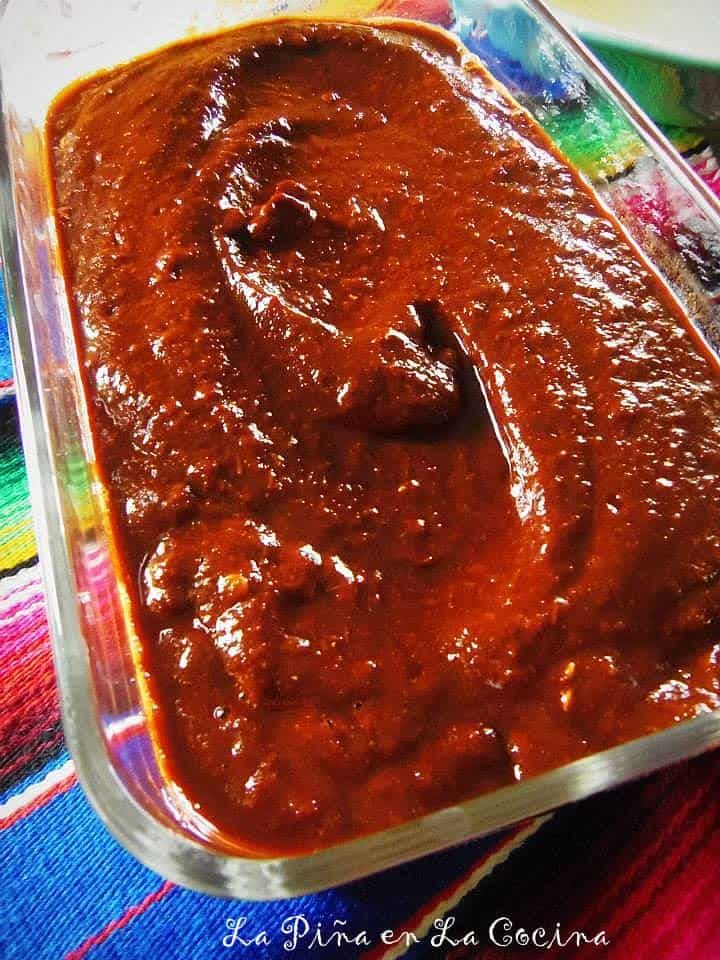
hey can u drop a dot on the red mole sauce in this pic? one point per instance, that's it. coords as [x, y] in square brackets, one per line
[413, 462]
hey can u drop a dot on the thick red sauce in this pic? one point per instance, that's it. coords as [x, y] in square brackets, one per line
[413, 462]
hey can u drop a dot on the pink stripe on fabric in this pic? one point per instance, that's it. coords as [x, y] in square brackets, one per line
[643, 898]
[705, 924]
[670, 930]
[706, 165]
[642, 905]
[26, 580]
[625, 887]
[16, 608]
[135, 911]
[23, 638]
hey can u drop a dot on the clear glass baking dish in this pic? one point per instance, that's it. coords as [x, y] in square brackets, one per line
[44, 45]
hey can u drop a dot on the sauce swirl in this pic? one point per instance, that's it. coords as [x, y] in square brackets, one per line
[413, 461]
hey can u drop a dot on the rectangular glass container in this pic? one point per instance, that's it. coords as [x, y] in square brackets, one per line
[46, 44]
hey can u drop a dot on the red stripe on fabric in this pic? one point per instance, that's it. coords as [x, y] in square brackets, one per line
[679, 842]
[36, 727]
[30, 734]
[434, 11]
[641, 863]
[705, 924]
[669, 937]
[413, 922]
[646, 939]
[62, 786]
[676, 802]
[28, 690]
[545, 901]
[648, 867]
[18, 674]
[135, 911]
[12, 769]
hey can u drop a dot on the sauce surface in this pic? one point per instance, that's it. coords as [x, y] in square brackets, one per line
[413, 462]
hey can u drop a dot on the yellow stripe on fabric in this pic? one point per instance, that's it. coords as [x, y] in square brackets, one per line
[17, 540]
[17, 545]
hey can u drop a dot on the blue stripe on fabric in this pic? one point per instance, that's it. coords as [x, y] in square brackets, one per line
[186, 925]
[6, 371]
[63, 879]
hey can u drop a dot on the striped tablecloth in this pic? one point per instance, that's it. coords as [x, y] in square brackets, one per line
[637, 871]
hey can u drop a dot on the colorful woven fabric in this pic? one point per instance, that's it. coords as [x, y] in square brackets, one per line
[68, 889]
[636, 870]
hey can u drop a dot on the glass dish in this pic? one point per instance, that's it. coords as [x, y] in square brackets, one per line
[666, 55]
[44, 45]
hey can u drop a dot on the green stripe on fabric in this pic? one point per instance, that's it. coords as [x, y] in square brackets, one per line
[17, 540]
[594, 136]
